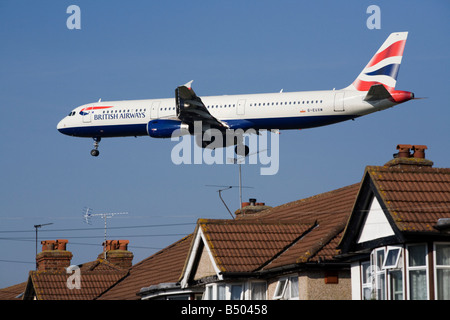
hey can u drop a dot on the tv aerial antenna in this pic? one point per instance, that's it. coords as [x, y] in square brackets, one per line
[238, 160]
[88, 215]
[38, 226]
[223, 188]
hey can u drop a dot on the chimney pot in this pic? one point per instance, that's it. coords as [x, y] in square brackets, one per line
[61, 244]
[252, 201]
[404, 150]
[419, 151]
[406, 159]
[116, 252]
[123, 244]
[48, 245]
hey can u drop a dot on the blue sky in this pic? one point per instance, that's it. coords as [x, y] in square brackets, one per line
[145, 50]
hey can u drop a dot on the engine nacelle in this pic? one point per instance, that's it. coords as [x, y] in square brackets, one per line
[162, 128]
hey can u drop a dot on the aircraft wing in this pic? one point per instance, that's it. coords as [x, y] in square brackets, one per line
[190, 108]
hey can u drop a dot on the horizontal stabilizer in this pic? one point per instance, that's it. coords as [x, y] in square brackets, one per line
[377, 92]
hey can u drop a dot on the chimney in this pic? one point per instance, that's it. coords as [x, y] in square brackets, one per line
[410, 156]
[54, 256]
[250, 207]
[116, 252]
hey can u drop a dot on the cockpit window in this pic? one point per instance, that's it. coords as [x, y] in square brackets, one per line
[71, 113]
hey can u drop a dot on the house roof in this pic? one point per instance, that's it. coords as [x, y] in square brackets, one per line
[329, 211]
[247, 245]
[414, 196]
[164, 266]
[96, 277]
[302, 231]
[13, 292]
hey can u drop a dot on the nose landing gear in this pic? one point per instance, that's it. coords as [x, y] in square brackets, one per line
[95, 152]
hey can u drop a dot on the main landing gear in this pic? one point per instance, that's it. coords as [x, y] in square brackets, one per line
[95, 152]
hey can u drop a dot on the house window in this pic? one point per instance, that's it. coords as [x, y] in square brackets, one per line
[209, 293]
[417, 272]
[398, 273]
[236, 292]
[221, 292]
[382, 278]
[287, 289]
[281, 287]
[379, 274]
[395, 284]
[254, 290]
[442, 263]
[258, 290]
[366, 280]
[394, 266]
[392, 256]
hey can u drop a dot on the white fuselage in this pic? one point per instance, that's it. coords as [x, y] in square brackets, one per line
[284, 110]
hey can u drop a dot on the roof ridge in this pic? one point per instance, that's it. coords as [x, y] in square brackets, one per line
[258, 221]
[412, 168]
[305, 200]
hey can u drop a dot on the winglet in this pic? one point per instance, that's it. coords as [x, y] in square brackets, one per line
[188, 85]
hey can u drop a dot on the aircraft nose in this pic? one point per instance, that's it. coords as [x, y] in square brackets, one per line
[60, 125]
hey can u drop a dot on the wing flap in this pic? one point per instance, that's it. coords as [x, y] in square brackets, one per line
[191, 108]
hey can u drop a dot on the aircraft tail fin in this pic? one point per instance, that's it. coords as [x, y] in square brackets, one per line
[384, 66]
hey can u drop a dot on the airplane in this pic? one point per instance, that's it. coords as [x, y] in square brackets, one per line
[373, 90]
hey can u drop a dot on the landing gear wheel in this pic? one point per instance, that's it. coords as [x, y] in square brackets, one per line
[95, 152]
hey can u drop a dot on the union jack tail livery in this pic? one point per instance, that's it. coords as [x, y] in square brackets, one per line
[384, 66]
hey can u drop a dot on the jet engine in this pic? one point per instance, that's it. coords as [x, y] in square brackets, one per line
[162, 128]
